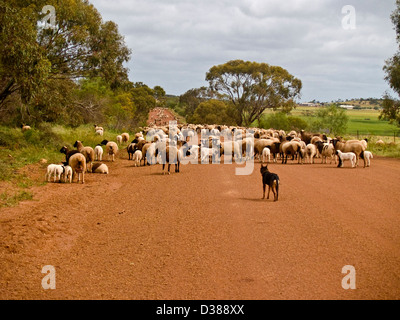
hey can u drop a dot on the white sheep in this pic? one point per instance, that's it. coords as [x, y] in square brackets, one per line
[99, 132]
[97, 128]
[266, 153]
[346, 156]
[100, 168]
[119, 139]
[137, 157]
[49, 172]
[194, 151]
[368, 156]
[67, 174]
[98, 152]
[55, 170]
[328, 151]
[311, 152]
[206, 153]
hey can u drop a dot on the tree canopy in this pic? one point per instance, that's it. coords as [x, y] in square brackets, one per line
[212, 112]
[252, 87]
[191, 99]
[41, 69]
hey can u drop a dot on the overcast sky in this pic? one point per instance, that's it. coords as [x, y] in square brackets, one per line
[174, 43]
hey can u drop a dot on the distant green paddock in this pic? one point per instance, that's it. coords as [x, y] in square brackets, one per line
[364, 122]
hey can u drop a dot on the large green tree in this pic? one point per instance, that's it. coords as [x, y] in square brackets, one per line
[211, 112]
[391, 106]
[253, 87]
[34, 58]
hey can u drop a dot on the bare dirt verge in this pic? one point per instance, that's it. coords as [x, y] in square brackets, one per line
[205, 233]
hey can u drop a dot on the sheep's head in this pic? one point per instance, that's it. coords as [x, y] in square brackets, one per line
[104, 142]
[319, 145]
[64, 150]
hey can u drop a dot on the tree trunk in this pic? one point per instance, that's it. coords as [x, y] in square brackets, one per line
[6, 91]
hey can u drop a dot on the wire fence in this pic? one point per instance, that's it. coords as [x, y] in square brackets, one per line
[392, 135]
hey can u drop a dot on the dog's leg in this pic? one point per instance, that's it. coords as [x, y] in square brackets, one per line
[263, 192]
[273, 189]
[269, 189]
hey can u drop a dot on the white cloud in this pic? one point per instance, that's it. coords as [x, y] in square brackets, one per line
[175, 43]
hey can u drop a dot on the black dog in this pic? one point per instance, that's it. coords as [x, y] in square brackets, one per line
[270, 179]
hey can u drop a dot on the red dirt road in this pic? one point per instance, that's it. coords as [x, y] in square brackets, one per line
[205, 233]
[161, 117]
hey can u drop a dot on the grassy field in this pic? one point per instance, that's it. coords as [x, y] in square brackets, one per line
[364, 121]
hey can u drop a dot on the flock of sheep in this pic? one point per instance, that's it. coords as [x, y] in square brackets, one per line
[178, 144]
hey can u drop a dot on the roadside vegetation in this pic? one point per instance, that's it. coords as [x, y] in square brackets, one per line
[37, 147]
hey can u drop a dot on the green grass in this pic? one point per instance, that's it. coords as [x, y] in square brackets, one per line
[18, 150]
[12, 199]
[364, 121]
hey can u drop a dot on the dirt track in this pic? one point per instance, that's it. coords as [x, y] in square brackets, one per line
[205, 233]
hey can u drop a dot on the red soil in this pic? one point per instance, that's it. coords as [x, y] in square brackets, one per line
[205, 233]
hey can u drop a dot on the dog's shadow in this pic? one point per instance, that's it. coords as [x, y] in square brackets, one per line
[258, 199]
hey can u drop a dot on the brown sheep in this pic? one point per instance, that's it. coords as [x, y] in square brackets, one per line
[25, 128]
[125, 137]
[305, 136]
[88, 152]
[78, 164]
[350, 146]
[111, 148]
[141, 144]
[292, 148]
[259, 145]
